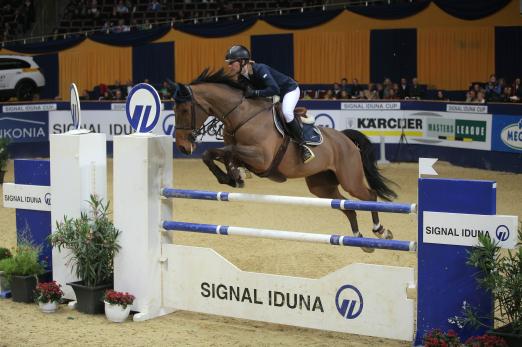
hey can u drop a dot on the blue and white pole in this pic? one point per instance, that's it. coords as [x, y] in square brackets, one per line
[339, 204]
[332, 239]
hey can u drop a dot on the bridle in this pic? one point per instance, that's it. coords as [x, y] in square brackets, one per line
[193, 104]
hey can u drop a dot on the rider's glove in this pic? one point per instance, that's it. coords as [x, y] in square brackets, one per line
[250, 92]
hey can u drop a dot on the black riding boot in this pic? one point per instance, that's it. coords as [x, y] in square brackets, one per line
[296, 132]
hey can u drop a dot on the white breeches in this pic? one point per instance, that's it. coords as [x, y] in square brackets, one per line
[289, 101]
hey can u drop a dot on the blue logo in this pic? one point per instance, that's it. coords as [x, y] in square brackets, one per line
[502, 233]
[351, 305]
[324, 120]
[168, 125]
[47, 198]
[143, 108]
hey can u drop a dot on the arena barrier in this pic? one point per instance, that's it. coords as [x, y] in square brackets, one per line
[374, 300]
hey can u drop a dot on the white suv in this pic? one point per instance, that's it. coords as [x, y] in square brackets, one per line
[20, 76]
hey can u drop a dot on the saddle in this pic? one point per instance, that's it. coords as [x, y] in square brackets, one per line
[311, 133]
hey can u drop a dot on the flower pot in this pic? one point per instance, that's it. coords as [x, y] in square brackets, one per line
[22, 288]
[116, 313]
[4, 284]
[507, 334]
[48, 307]
[89, 299]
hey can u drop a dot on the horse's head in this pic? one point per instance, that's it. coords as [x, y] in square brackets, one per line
[188, 120]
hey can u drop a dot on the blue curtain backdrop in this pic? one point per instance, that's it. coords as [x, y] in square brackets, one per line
[471, 9]
[47, 46]
[274, 50]
[131, 38]
[392, 11]
[393, 54]
[154, 61]
[49, 67]
[508, 52]
[302, 20]
[222, 28]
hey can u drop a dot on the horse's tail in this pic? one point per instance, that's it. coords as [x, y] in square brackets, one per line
[377, 182]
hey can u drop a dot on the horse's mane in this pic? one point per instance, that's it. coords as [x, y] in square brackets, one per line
[219, 76]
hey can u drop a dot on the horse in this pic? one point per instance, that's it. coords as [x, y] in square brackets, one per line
[252, 141]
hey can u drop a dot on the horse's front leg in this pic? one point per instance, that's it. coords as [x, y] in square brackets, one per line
[209, 157]
[225, 156]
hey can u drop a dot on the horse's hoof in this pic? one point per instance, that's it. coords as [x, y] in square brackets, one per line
[365, 249]
[368, 250]
[240, 184]
[383, 233]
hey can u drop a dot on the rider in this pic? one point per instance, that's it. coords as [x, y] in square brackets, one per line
[263, 81]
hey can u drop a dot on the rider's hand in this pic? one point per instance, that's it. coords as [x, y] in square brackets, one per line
[250, 92]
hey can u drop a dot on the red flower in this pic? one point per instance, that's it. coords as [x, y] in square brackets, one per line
[119, 298]
[48, 292]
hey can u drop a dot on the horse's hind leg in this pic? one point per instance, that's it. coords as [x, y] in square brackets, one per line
[350, 175]
[325, 185]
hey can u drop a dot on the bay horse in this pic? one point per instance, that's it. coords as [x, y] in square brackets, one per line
[251, 140]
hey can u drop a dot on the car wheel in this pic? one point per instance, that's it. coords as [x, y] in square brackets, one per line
[25, 91]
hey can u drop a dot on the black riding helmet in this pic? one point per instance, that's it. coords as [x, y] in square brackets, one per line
[237, 52]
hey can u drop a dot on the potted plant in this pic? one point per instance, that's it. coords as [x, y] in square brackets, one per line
[501, 274]
[47, 295]
[22, 270]
[4, 157]
[4, 284]
[117, 305]
[92, 240]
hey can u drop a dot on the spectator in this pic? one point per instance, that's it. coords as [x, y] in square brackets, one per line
[93, 10]
[106, 95]
[118, 95]
[416, 91]
[107, 26]
[379, 89]
[121, 27]
[120, 9]
[128, 87]
[344, 84]
[493, 90]
[517, 87]
[387, 86]
[440, 96]
[480, 98]
[146, 25]
[165, 92]
[391, 94]
[506, 94]
[403, 90]
[154, 6]
[356, 88]
[329, 95]
[471, 96]
[336, 89]
[344, 95]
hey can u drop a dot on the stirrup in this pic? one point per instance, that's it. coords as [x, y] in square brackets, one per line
[307, 154]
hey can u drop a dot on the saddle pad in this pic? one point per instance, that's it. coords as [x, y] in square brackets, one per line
[311, 133]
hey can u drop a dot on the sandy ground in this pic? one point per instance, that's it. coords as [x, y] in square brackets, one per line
[24, 324]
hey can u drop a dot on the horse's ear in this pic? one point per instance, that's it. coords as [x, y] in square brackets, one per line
[182, 93]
